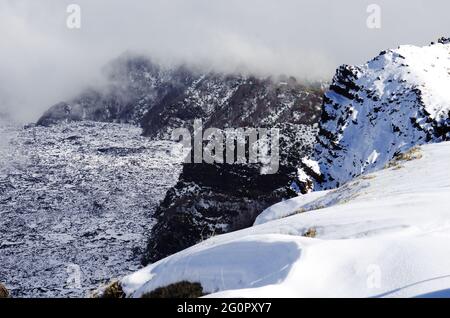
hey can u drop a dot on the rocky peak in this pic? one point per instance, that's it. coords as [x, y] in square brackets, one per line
[160, 99]
[374, 111]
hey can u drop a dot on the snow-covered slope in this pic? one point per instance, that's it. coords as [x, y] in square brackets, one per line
[381, 235]
[372, 112]
[77, 198]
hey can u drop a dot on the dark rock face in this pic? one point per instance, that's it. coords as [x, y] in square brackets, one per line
[208, 199]
[224, 101]
[213, 199]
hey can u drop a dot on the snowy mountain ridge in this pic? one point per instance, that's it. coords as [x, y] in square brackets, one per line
[373, 112]
[161, 99]
[373, 235]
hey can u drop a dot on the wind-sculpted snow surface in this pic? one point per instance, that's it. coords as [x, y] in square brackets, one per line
[372, 112]
[77, 198]
[381, 235]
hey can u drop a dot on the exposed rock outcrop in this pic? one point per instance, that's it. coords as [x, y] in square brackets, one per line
[4, 293]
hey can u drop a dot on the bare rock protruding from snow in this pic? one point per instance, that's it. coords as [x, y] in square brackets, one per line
[444, 40]
[372, 112]
[4, 293]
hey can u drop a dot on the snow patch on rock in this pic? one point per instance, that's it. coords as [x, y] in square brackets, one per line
[373, 112]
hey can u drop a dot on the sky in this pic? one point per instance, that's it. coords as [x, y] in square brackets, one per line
[43, 62]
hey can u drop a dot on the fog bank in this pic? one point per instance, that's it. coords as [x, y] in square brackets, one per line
[43, 62]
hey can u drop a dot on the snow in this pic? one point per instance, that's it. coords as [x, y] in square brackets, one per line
[77, 194]
[380, 235]
[288, 207]
[373, 157]
[431, 65]
[302, 176]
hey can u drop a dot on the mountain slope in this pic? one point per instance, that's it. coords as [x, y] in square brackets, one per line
[162, 99]
[358, 244]
[373, 112]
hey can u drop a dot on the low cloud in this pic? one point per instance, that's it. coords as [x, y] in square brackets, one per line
[43, 62]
